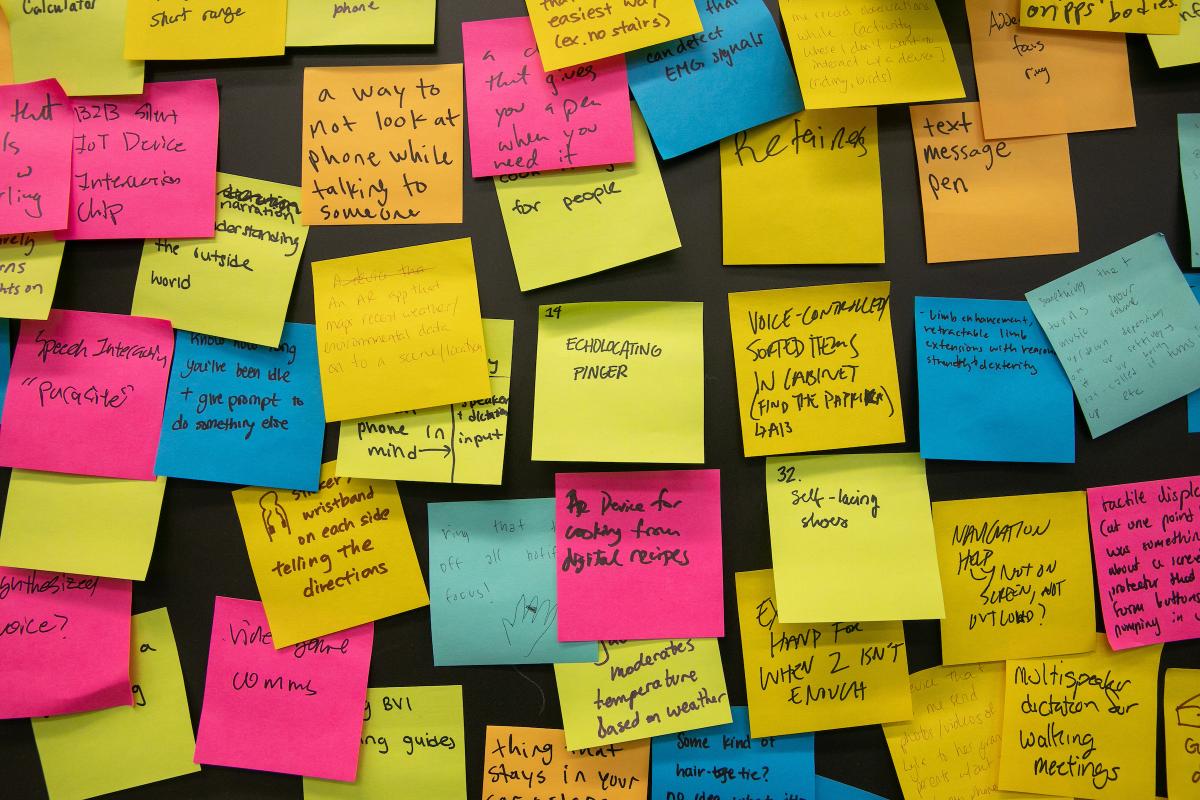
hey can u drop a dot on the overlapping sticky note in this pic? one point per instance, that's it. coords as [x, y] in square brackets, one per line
[837, 219]
[1193, 400]
[566, 224]
[571, 32]
[204, 29]
[297, 710]
[1127, 16]
[620, 382]
[1181, 719]
[85, 755]
[732, 76]
[828, 789]
[29, 267]
[312, 23]
[816, 368]
[6, 65]
[458, 443]
[991, 387]
[5, 356]
[35, 162]
[541, 758]
[1127, 330]
[1189, 171]
[1177, 49]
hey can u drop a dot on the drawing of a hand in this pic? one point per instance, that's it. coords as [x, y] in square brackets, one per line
[529, 623]
[274, 516]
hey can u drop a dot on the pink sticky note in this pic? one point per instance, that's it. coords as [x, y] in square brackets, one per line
[1144, 539]
[297, 710]
[639, 555]
[86, 394]
[146, 165]
[522, 119]
[64, 643]
[35, 157]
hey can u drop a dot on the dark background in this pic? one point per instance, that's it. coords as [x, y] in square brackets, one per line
[1127, 186]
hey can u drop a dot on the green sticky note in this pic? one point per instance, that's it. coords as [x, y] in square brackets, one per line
[315, 23]
[1177, 49]
[90, 754]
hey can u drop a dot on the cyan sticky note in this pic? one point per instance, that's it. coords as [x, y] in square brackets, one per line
[493, 596]
[1189, 170]
[731, 76]
[991, 387]
[1193, 402]
[244, 413]
[726, 763]
[5, 358]
[828, 789]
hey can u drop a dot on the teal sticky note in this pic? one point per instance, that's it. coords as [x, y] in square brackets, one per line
[1194, 398]
[493, 595]
[1189, 170]
[828, 789]
[1127, 331]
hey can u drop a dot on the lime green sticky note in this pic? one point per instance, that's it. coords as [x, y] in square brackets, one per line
[80, 524]
[29, 264]
[412, 746]
[97, 752]
[1177, 49]
[314, 23]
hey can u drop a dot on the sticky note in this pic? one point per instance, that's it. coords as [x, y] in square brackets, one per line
[828, 789]
[523, 119]
[869, 55]
[493, 596]
[636, 690]
[542, 758]
[1181, 719]
[242, 413]
[85, 755]
[80, 44]
[570, 223]
[399, 329]
[816, 368]
[298, 710]
[1193, 399]
[814, 677]
[458, 443]
[1128, 16]
[1189, 171]
[5, 356]
[1177, 49]
[86, 395]
[725, 762]
[29, 267]
[975, 194]
[629, 541]
[382, 145]
[620, 382]
[314, 23]
[329, 559]
[990, 385]
[1038, 81]
[571, 32]
[66, 643]
[1083, 725]
[731, 76]
[1127, 330]
[146, 165]
[236, 284]
[75, 523]
[200, 29]
[35, 163]
[852, 538]
[6, 65]
[837, 219]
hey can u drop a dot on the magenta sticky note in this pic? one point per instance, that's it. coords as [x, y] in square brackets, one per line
[64, 643]
[523, 119]
[297, 710]
[86, 394]
[35, 157]
[639, 555]
[146, 165]
[1144, 540]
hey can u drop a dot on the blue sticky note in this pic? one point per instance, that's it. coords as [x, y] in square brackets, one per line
[493, 591]
[1189, 169]
[1193, 403]
[991, 387]
[243, 413]
[5, 359]
[726, 763]
[828, 789]
[731, 76]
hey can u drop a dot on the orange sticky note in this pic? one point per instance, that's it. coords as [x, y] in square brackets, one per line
[6, 58]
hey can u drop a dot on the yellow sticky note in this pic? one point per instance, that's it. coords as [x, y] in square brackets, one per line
[852, 538]
[399, 329]
[815, 677]
[1082, 725]
[80, 524]
[1127, 16]
[823, 167]
[991, 199]
[237, 284]
[640, 689]
[613, 772]
[568, 223]
[571, 32]
[29, 264]
[816, 368]
[458, 443]
[314, 23]
[1181, 726]
[870, 54]
[620, 382]
[83, 46]
[204, 29]
[1017, 573]
[328, 560]
[412, 737]
[1177, 49]
[382, 145]
[97, 752]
